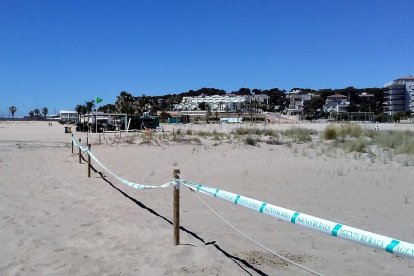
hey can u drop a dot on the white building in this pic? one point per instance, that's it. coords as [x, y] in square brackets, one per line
[337, 102]
[69, 116]
[400, 95]
[296, 101]
[216, 103]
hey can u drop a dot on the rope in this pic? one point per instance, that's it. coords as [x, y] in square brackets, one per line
[252, 240]
[127, 182]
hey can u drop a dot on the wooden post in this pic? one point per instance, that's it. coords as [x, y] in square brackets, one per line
[87, 139]
[89, 161]
[72, 142]
[176, 208]
[80, 152]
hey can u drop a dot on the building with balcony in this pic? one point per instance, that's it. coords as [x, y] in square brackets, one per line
[69, 116]
[337, 102]
[296, 101]
[216, 103]
[399, 96]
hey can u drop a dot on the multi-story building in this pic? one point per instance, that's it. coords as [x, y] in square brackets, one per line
[338, 103]
[296, 101]
[399, 96]
[216, 103]
[69, 116]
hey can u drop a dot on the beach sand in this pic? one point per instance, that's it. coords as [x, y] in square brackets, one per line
[54, 220]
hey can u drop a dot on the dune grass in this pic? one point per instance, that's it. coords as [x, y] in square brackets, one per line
[352, 138]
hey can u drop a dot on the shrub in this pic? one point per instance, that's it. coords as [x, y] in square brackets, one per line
[251, 141]
[330, 133]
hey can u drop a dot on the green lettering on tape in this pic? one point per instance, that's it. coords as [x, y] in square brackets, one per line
[262, 207]
[391, 246]
[237, 199]
[336, 229]
[295, 215]
[198, 187]
[215, 194]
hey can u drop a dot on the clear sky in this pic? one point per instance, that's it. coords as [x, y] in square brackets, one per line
[57, 54]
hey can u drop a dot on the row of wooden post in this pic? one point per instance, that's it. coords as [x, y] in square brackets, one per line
[176, 194]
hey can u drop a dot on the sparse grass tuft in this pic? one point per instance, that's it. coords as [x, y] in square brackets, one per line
[186, 140]
[350, 130]
[300, 134]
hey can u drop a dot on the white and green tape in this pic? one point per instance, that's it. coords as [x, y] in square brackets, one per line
[390, 245]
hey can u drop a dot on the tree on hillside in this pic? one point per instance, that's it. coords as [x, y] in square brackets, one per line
[108, 108]
[127, 108]
[45, 111]
[243, 91]
[313, 108]
[124, 97]
[13, 110]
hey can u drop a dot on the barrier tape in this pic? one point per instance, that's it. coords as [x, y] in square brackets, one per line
[127, 182]
[388, 244]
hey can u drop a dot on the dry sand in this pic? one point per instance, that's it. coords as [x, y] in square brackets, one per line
[54, 220]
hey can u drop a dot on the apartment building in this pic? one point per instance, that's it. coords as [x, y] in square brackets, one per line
[296, 101]
[338, 103]
[399, 95]
[216, 103]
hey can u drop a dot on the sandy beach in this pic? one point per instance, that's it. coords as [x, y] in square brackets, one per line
[54, 220]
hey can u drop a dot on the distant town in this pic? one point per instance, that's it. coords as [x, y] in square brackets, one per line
[393, 102]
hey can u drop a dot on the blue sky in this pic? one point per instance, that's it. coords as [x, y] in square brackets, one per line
[61, 53]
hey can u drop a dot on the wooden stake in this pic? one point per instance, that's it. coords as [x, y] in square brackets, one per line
[87, 139]
[72, 142]
[176, 209]
[80, 152]
[89, 161]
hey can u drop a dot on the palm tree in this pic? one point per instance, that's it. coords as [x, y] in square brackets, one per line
[45, 111]
[13, 110]
[78, 109]
[89, 106]
[36, 112]
[31, 113]
[84, 111]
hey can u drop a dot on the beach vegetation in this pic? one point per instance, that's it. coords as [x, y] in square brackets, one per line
[251, 141]
[186, 140]
[299, 134]
[330, 133]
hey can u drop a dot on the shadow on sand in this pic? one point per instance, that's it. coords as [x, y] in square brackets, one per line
[243, 264]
